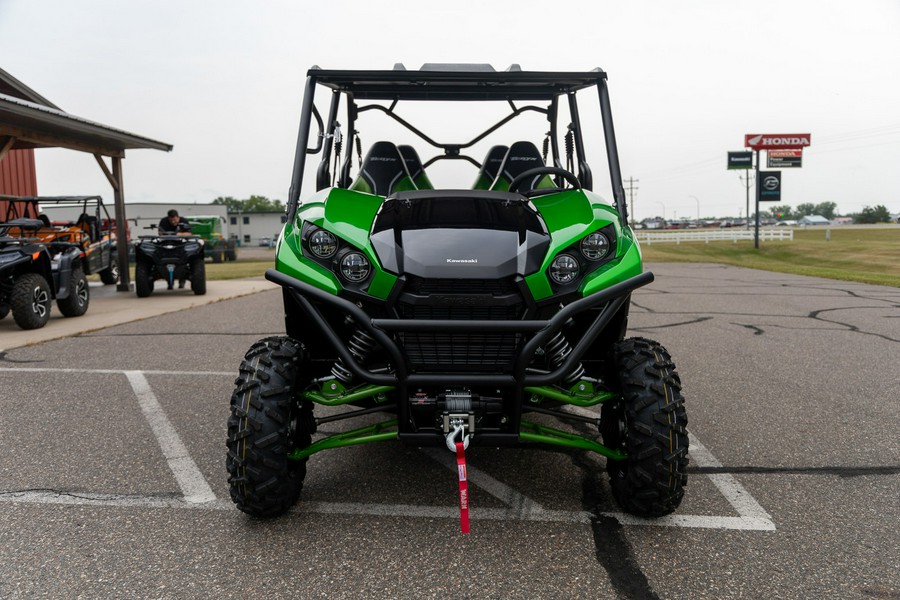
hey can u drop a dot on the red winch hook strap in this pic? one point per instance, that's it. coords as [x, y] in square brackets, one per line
[463, 487]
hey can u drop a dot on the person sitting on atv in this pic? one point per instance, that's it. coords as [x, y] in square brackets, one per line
[172, 224]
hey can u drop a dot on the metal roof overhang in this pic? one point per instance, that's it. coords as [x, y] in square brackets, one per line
[25, 124]
[456, 84]
[32, 125]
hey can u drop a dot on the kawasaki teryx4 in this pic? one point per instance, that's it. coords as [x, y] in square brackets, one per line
[466, 314]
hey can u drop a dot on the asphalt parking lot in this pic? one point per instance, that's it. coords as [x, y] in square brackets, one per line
[113, 483]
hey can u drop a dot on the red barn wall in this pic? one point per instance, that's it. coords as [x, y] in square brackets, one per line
[17, 173]
[17, 178]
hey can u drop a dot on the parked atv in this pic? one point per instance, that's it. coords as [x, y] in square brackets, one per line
[488, 312]
[33, 274]
[173, 258]
[81, 220]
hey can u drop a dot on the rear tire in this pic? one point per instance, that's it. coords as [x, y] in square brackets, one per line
[143, 280]
[267, 423]
[198, 276]
[79, 296]
[648, 423]
[4, 310]
[30, 301]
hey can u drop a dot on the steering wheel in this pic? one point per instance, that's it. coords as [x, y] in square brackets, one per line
[521, 178]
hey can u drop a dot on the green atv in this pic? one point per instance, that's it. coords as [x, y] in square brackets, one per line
[215, 245]
[491, 312]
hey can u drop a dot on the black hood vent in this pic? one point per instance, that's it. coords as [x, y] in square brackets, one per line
[459, 235]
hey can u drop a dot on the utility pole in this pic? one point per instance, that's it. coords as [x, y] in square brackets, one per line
[631, 190]
[756, 225]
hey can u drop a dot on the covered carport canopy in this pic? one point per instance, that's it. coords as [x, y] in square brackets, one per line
[25, 124]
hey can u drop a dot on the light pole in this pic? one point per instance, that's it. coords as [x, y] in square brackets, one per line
[698, 208]
[664, 209]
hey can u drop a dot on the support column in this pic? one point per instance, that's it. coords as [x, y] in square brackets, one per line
[121, 230]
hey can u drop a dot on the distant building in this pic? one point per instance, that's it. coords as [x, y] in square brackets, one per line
[813, 220]
[251, 227]
[842, 221]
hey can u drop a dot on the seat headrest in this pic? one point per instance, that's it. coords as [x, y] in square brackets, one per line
[415, 168]
[490, 167]
[383, 171]
[520, 157]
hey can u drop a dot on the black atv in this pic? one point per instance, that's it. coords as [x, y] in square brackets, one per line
[171, 257]
[33, 274]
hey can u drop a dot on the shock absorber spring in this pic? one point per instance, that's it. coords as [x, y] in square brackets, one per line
[557, 351]
[360, 346]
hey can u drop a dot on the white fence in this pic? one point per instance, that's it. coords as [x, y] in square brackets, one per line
[712, 235]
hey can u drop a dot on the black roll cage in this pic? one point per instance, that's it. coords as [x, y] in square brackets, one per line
[449, 83]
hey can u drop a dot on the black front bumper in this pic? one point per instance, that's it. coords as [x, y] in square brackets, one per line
[541, 331]
[536, 333]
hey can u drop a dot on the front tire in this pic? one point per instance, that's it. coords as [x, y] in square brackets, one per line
[267, 423]
[143, 280]
[198, 276]
[30, 301]
[647, 422]
[4, 310]
[76, 304]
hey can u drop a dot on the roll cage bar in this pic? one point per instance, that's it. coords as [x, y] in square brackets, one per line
[449, 83]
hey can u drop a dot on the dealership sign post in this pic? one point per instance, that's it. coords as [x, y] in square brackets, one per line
[784, 147]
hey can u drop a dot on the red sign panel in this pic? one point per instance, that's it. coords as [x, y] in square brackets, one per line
[785, 154]
[777, 141]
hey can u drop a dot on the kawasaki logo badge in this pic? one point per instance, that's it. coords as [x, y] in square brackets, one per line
[470, 261]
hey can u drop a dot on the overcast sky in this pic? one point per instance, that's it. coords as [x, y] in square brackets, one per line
[222, 82]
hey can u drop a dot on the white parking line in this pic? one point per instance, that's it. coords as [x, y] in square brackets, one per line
[188, 476]
[199, 495]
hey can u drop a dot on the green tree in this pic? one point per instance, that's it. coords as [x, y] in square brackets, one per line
[807, 208]
[826, 209]
[252, 204]
[782, 212]
[262, 204]
[233, 204]
[879, 214]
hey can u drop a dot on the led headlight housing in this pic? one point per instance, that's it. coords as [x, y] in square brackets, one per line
[355, 267]
[322, 243]
[595, 246]
[564, 269]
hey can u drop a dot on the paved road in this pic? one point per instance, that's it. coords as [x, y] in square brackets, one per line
[112, 482]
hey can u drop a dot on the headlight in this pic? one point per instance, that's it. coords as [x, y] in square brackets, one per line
[355, 267]
[595, 246]
[564, 269]
[323, 244]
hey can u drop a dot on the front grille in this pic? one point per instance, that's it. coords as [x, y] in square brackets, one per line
[460, 299]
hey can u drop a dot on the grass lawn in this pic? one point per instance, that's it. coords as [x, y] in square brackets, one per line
[866, 254]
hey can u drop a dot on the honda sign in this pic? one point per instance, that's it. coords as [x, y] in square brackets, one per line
[780, 141]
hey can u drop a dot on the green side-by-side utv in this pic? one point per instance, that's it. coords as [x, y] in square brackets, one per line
[488, 311]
